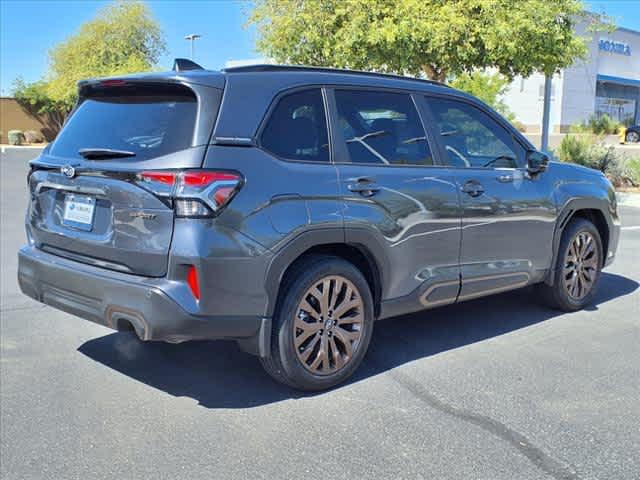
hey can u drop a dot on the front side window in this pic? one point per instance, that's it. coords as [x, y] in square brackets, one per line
[472, 138]
[381, 127]
[297, 128]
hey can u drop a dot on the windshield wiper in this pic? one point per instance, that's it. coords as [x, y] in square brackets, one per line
[100, 153]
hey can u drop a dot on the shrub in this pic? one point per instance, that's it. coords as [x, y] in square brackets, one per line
[580, 128]
[31, 136]
[589, 151]
[602, 125]
[577, 149]
[632, 170]
[15, 137]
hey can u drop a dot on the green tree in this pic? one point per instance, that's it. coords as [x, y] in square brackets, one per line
[123, 38]
[35, 99]
[487, 87]
[436, 38]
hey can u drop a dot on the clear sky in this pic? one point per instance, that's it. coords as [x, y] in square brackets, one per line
[29, 28]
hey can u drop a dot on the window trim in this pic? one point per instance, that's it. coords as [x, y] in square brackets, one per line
[340, 142]
[269, 112]
[521, 163]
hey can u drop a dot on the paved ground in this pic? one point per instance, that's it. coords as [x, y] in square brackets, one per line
[497, 388]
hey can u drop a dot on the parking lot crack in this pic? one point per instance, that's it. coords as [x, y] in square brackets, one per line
[539, 458]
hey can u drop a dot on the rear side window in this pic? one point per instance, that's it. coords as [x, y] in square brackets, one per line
[297, 128]
[148, 121]
[382, 127]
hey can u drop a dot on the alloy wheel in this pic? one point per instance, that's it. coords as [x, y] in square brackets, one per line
[328, 326]
[581, 266]
[633, 137]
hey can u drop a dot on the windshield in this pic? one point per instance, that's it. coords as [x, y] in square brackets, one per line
[146, 121]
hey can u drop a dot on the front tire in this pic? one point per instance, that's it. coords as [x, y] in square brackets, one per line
[577, 269]
[322, 326]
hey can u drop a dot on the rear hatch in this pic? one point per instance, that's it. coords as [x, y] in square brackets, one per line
[89, 200]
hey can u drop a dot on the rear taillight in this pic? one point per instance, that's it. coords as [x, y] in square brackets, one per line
[193, 193]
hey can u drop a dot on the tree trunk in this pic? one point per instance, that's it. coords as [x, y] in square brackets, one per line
[433, 72]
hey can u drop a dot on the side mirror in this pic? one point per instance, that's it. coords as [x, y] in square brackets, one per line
[537, 162]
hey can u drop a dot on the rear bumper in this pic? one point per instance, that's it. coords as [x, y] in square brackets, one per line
[113, 299]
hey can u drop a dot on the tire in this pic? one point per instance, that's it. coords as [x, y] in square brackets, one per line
[632, 137]
[301, 334]
[565, 293]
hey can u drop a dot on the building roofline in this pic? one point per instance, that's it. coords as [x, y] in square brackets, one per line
[628, 30]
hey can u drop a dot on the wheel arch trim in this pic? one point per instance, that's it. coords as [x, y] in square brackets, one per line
[359, 238]
[570, 210]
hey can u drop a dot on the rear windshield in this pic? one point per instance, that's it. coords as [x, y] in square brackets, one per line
[148, 121]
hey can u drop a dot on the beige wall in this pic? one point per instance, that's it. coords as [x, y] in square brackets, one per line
[14, 117]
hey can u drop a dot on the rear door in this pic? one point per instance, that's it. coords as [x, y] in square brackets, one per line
[90, 200]
[395, 192]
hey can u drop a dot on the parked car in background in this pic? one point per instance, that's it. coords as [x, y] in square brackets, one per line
[632, 134]
[288, 208]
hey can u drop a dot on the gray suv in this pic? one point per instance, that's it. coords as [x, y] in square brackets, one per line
[287, 208]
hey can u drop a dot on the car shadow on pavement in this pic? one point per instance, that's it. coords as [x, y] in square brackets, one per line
[218, 375]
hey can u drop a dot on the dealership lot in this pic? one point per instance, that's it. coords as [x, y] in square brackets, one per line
[497, 388]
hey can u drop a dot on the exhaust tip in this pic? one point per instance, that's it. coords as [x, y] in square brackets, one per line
[128, 320]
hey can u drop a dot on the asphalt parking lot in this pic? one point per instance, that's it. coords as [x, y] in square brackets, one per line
[497, 388]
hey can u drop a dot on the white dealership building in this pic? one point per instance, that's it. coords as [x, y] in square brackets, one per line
[607, 81]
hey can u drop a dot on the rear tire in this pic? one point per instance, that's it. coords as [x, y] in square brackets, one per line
[322, 326]
[577, 269]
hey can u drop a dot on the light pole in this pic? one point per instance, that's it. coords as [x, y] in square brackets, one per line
[192, 37]
[546, 114]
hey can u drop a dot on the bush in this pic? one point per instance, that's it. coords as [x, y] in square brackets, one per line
[589, 151]
[577, 149]
[603, 125]
[632, 170]
[580, 128]
[31, 136]
[15, 137]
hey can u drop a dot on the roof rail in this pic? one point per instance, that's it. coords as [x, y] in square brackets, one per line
[293, 68]
[182, 64]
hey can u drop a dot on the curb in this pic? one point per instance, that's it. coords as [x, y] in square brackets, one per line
[4, 148]
[628, 199]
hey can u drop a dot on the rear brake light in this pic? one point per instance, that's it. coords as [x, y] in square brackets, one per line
[167, 178]
[112, 83]
[194, 193]
[192, 281]
[199, 178]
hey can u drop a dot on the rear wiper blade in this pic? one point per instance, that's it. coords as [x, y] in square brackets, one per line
[98, 153]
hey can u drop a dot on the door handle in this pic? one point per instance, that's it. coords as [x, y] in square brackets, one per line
[473, 188]
[506, 178]
[366, 187]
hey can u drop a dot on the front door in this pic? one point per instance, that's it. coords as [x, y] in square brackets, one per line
[394, 192]
[507, 215]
